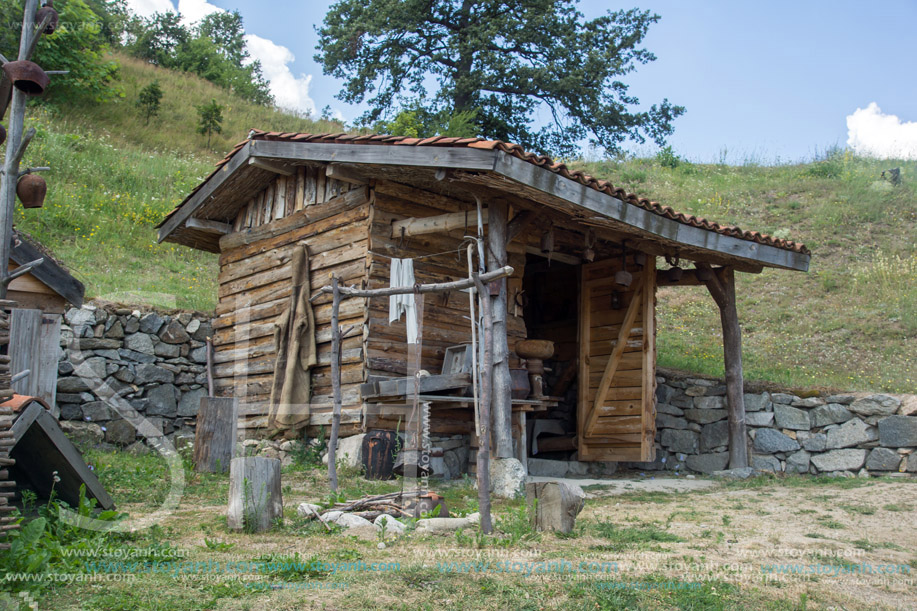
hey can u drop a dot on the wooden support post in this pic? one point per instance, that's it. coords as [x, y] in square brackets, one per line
[255, 499]
[335, 384]
[483, 457]
[501, 381]
[723, 290]
[215, 434]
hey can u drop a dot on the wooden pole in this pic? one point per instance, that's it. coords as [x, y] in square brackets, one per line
[502, 383]
[335, 383]
[483, 458]
[723, 290]
[433, 287]
[10, 173]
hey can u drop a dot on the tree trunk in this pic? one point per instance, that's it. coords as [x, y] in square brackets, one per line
[255, 500]
[502, 383]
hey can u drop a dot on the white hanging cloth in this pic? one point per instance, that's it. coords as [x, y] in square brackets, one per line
[403, 275]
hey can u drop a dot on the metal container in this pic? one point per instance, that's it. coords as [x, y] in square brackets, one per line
[379, 449]
[27, 77]
[45, 10]
[31, 190]
[521, 385]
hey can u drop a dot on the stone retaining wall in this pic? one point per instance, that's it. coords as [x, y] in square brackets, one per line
[155, 361]
[842, 434]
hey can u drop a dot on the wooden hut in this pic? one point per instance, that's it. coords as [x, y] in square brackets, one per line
[359, 202]
[42, 296]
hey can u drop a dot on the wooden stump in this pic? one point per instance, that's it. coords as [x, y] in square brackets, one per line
[558, 504]
[255, 500]
[215, 436]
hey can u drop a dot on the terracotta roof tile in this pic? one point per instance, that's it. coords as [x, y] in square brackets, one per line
[517, 151]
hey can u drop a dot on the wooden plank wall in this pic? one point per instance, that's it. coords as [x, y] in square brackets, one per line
[446, 319]
[35, 345]
[331, 218]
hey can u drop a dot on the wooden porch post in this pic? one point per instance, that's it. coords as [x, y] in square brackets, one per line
[502, 384]
[722, 288]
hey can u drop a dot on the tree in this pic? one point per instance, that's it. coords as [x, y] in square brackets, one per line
[210, 119]
[149, 99]
[510, 62]
[77, 45]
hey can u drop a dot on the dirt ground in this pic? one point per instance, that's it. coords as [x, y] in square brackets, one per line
[662, 543]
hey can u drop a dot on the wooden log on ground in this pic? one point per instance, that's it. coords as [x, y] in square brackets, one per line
[255, 499]
[558, 504]
[215, 435]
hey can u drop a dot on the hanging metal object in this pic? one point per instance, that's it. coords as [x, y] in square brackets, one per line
[547, 241]
[704, 274]
[31, 190]
[675, 273]
[623, 277]
[48, 8]
[27, 77]
[640, 259]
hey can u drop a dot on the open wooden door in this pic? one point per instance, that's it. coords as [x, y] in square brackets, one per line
[616, 413]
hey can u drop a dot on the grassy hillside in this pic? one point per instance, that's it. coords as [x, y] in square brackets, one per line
[850, 323]
[115, 176]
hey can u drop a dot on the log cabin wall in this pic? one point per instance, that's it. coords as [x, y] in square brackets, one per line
[332, 218]
[446, 320]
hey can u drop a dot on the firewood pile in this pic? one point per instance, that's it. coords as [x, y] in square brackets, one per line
[399, 505]
[7, 417]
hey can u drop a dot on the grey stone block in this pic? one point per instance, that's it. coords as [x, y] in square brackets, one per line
[768, 441]
[883, 459]
[680, 441]
[831, 413]
[705, 416]
[708, 463]
[710, 402]
[765, 462]
[791, 418]
[839, 460]
[162, 401]
[759, 418]
[851, 433]
[816, 443]
[798, 462]
[894, 431]
[875, 405]
[714, 435]
[757, 402]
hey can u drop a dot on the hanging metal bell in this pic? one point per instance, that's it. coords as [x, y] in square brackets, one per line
[704, 273]
[27, 77]
[674, 274]
[40, 16]
[623, 278]
[31, 190]
[640, 259]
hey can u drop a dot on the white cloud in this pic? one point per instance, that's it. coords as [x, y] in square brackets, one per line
[289, 91]
[146, 8]
[193, 11]
[873, 133]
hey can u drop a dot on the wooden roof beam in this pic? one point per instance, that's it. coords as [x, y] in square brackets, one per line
[345, 173]
[208, 226]
[270, 166]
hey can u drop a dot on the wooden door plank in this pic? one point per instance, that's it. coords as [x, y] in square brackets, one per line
[613, 360]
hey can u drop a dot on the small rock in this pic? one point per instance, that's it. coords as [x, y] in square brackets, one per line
[718, 403]
[190, 402]
[851, 433]
[162, 401]
[96, 411]
[831, 413]
[792, 418]
[174, 333]
[808, 402]
[713, 436]
[151, 323]
[305, 510]
[798, 462]
[883, 459]
[765, 462]
[842, 399]
[443, 525]
[391, 524]
[666, 421]
[769, 441]
[82, 433]
[876, 405]
[816, 443]
[139, 342]
[665, 408]
[120, 432]
[507, 476]
[193, 325]
[758, 402]
[705, 416]
[759, 418]
[147, 373]
[138, 448]
[680, 441]
[783, 398]
[740, 473]
[839, 460]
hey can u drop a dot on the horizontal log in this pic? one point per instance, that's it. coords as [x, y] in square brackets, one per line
[441, 223]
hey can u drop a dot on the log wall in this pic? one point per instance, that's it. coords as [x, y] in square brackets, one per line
[332, 219]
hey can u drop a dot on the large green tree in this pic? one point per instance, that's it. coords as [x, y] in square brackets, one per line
[534, 72]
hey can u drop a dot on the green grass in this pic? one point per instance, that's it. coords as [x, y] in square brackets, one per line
[642, 537]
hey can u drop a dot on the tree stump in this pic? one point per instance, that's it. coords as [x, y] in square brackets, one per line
[558, 504]
[215, 435]
[255, 500]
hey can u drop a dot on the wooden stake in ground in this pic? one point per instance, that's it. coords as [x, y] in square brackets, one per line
[255, 499]
[723, 289]
[335, 383]
[215, 434]
[483, 459]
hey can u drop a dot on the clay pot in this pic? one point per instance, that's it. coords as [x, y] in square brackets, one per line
[704, 274]
[31, 191]
[27, 77]
[40, 16]
[535, 349]
[522, 387]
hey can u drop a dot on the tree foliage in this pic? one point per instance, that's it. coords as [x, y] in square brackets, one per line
[214, 49]
[535, 72]
[210, 119]
[77, 45]
[149, 99]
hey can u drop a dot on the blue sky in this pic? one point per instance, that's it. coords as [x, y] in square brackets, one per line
[761, 81]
